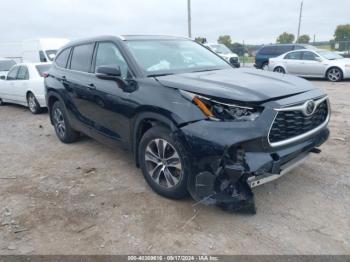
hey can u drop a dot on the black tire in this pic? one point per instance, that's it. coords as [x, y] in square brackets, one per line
[1, 102]
[279, 69]
[177, 190]
[334, 74]
[33, 105]
[265, 64]
[63, 129]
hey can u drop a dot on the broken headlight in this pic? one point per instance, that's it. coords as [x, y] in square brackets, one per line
[220, 111]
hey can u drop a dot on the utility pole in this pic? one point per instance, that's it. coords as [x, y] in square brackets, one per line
[300, 15]
[189, 18]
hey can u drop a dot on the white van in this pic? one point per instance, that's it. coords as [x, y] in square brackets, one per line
[33, 50]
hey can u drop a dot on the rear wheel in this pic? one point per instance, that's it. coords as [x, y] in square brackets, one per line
[279, 69]
[33, 104]
[265, 66]
[63, 129]
[164, 163]
[334, 74]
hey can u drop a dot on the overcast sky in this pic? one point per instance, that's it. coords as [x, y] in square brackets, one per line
[254, 21]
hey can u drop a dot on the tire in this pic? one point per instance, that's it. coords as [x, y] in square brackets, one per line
[33, 105]
[264, 66]
[2, 102]
[170, 167]
[334, 74]
[279, 69]
[63, 129]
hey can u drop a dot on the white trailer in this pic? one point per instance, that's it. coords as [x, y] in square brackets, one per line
[32, 50]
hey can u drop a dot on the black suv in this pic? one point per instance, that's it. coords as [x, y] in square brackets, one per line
[193, 122]
[269, 51]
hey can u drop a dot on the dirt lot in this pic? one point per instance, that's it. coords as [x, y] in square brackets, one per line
[88, 199]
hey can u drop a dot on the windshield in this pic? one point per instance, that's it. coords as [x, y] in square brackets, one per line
[159, 57]
[221, 49]
[5, 65]
[51, 54]
[329, 55]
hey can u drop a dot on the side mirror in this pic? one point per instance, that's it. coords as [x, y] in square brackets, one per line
[3, 77]
[108, 72]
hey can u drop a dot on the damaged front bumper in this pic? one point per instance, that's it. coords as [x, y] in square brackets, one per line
[230, 159]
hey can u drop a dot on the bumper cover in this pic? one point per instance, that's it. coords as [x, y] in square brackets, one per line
[228, 162]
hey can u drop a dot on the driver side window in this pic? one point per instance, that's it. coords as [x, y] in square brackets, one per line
[310, 56]
[109, 55]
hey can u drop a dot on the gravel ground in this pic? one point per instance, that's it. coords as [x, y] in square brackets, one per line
[85, 198]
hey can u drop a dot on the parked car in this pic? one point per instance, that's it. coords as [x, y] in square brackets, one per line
[193, 123]
[225, 53]
[24, 85]
[312, 63]
[269, 51]
[32, 50]
[5, 65]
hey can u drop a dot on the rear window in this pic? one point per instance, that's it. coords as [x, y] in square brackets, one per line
[267, 50]
[42, 69]
[6, 65]
[82, 57]
[62, 58]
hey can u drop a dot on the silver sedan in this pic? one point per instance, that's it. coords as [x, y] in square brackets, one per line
[312, 63]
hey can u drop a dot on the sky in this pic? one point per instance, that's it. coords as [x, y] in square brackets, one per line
[252, 21]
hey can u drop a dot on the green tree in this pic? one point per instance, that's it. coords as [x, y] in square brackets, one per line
[304, 39]
[200, 39]
[285, 38]
[225, 40]
[342, 36]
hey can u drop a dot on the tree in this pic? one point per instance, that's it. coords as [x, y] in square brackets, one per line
[304, 39]
[225, 40]
[200, 39]
[342, 36]
[285, 38]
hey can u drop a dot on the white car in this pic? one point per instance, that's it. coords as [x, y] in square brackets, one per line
[225, 53]
[312, 63]
[24, 85]
[5, 66]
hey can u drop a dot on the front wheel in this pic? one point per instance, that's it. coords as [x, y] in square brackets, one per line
[334, 74]
[33, 104]
[164, 163]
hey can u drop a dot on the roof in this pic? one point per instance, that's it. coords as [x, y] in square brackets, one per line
[153, 37]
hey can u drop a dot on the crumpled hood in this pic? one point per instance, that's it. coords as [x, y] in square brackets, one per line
[248, 85]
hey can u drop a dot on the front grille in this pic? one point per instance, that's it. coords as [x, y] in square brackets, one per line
[289, 124]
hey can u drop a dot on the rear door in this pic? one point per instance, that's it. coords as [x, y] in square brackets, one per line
[77, 82]
[292, 62]
[21, 85]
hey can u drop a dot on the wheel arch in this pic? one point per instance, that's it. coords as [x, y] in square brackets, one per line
[334, 66]
[143, 122]
[52, 97]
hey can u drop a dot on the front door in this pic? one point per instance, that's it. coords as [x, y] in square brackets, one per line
[312, 64]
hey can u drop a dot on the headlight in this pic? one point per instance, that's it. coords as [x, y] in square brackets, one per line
[220, 111]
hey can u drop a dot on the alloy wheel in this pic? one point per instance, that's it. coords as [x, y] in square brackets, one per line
[163, 163]
[32, 103]
[59, 123]
[279, 70]
[334, 75]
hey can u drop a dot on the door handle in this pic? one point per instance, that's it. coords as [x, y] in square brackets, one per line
[91, 86]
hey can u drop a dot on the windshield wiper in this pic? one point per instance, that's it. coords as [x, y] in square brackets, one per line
[205, 70]
[164, 74]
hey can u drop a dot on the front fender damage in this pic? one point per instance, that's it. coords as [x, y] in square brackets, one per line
[225, 186]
